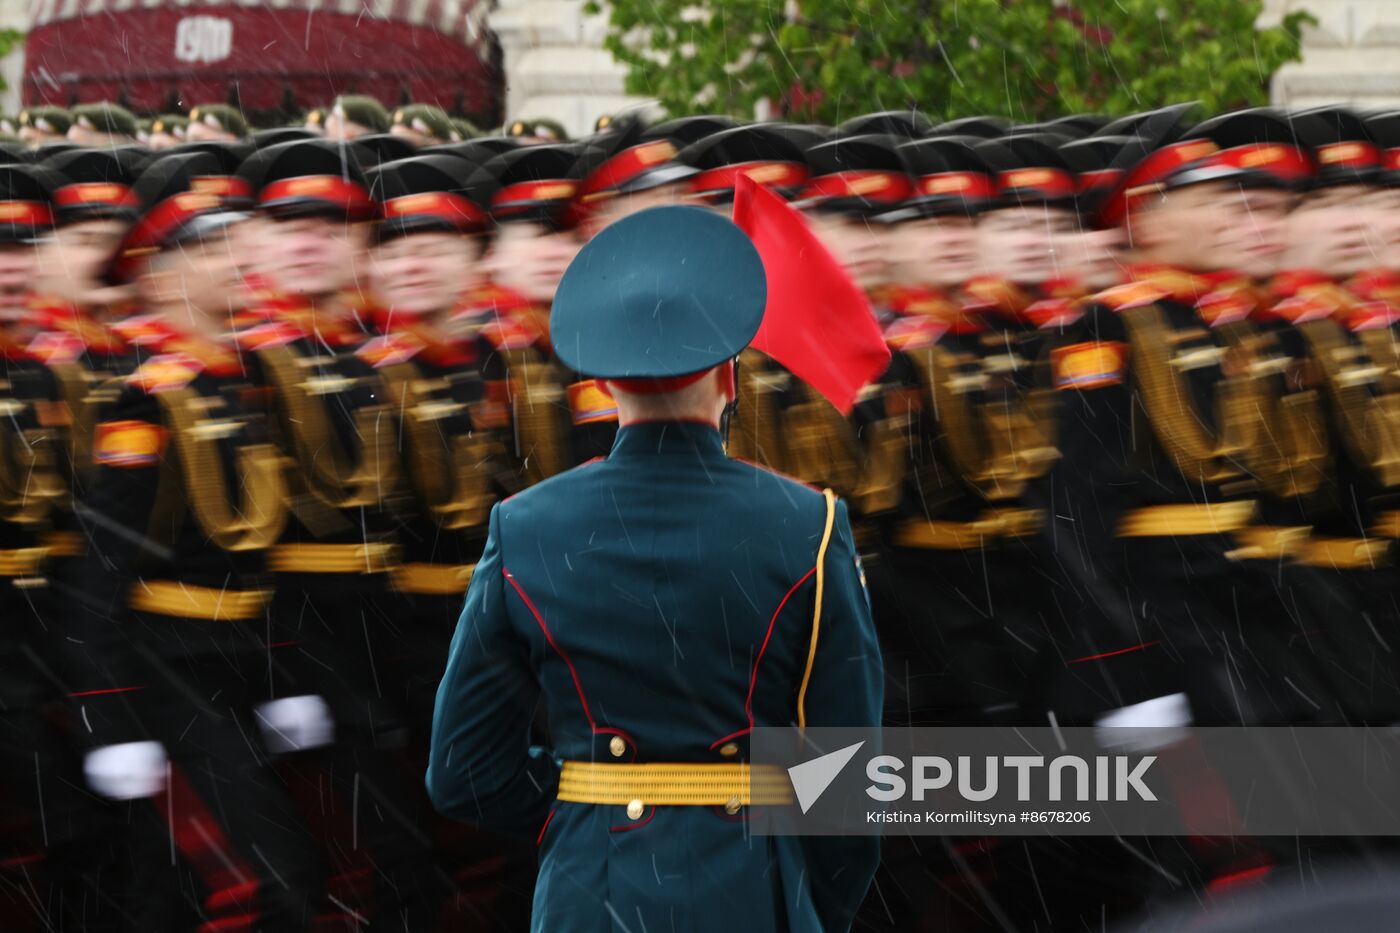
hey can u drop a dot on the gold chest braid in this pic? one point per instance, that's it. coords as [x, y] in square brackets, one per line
[996, 445]
[338, 477]
[449, 474]
[1367, 420]
[257, 519]
[1290, 456]
[30, 481]
[1160, 363]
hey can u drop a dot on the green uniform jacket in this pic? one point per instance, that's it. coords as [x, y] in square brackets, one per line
[662, 596]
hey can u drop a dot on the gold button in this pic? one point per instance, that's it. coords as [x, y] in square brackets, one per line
[634, 810]
[729, 749]
[618, 748]
[732, 807]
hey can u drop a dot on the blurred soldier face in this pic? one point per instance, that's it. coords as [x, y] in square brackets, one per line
[608, 211]
[196, 282]
[159, 141]
[1384, 205]
[1211, 227]
[18, 267]
[423, 273]
[1331, 230]
[531, 259]
[312, 256]
[1094, 257]
[74, 258]
[937, 251]
[859, 244]
[1027, 244]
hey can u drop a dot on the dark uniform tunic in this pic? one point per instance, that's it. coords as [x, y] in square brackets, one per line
[660, 603]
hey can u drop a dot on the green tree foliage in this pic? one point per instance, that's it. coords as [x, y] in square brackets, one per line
[826, 60]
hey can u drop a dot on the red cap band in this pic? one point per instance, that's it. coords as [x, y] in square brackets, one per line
[453, 209]
[331, 189]
[525, 195]
[960, 184]
[885, 187]
[1046, 182]
[105, 193]
[626, 165]
[767, 174]
[26, 214]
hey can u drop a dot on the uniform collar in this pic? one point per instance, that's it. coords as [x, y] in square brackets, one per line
[650, 438]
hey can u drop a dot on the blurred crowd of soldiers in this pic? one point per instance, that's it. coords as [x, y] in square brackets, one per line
[1136, 460]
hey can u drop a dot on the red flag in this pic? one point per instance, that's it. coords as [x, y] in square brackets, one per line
[818, 322]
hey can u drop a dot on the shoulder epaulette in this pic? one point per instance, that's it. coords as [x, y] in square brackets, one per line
[54, 348]
[389, 349]
[1050, 313]
[1129, 295]
[911, 333]
[164, 373]
[266, 334]
[141, 330]
[505, 334]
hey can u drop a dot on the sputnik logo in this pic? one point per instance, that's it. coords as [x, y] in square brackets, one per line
[811, 778]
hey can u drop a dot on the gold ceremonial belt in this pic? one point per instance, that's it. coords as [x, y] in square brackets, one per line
[962, 536]
[64, 543]
[331, 558]
[22, 562]
[433, 579]
[1269, 542]
[674, 784]
[1344, 553]
[1192, 519]
[1387, 525]
[167, 598]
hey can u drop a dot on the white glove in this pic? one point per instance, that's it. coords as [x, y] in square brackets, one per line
[296, 723]
[126, 771]
[1145, 726]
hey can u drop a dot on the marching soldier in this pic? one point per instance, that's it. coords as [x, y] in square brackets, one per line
[666, 525]
[50, 837]
[556, 418]
[1329, 474]
[334, 560]
[166, 629]
[455, 466]
[95, 207]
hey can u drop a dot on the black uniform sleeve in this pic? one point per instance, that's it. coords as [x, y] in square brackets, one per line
[101, 665]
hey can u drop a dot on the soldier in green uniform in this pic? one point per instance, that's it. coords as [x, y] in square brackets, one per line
[354, 115]
[166, 628]
[422, 125]
[427, 243]
[102, 125]
[673, 567]
[167, 132]
[217, 123]
[40, 126]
